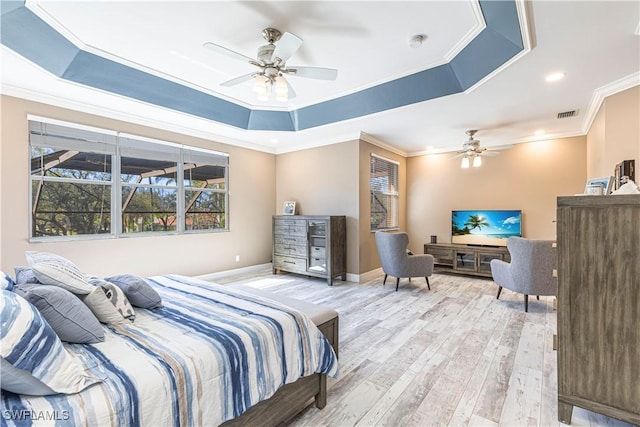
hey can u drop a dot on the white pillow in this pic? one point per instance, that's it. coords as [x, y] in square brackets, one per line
[116, 295]
[102, 307]
[51, 269]
[42, 364]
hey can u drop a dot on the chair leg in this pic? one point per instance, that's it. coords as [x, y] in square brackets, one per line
[397, 283]
[428, 286]
[385, 280]
[499, 290]
[526, 303]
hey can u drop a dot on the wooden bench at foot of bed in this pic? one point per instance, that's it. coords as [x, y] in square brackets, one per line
[292, 398]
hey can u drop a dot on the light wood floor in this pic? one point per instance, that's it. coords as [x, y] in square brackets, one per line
[453, 355]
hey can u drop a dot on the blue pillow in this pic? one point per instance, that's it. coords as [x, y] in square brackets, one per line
[69, 317]
[138, 291]
[6, 281]
[25, 275]
[28, 343]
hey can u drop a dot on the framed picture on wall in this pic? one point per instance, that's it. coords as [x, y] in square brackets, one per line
[289, 208]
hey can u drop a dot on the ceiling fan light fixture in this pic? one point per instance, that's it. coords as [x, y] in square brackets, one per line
[465, 163]
[281, 86]
[477, 161]
[259, 84]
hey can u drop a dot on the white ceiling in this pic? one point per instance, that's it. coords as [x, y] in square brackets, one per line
[595, 43]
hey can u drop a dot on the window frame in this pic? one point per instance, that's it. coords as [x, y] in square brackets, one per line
[390, 194]
[216, 158]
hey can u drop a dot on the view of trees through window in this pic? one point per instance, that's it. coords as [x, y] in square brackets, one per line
[76, 178]
[383, 181]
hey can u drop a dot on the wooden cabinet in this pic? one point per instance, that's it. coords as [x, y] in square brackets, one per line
[463, 259]
[311, 245]
[599, 306]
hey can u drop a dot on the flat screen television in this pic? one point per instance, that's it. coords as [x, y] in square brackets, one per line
[485, 228]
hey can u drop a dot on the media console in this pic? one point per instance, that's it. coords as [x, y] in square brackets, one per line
[464, 259]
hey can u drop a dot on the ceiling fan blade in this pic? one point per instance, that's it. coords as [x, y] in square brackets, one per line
[228, 52]
[238, 80]
[502, 147]
[316, 73]
[490, 153]
[290, 92]
[457, 155]
[286, 47]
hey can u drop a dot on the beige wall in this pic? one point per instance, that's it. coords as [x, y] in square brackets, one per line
[323, 181]
[528, 177]
[328, 180]
[252, 202]
[614, 134]
[368, 255]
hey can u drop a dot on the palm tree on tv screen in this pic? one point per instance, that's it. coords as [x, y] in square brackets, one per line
[476, 221]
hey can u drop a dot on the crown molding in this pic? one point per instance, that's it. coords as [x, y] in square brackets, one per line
[146, 120]
[527, 44]
[604, 91]
[380, 143]
[479, 26]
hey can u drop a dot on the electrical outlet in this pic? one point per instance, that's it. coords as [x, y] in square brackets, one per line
[237, 258]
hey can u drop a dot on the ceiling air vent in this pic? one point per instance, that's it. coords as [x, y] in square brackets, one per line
[567, 114]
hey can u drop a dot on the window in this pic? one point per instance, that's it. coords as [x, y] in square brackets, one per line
[87, 181]
[384, 193]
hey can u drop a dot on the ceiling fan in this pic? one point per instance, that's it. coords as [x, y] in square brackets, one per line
[471, 151]
[271, 61]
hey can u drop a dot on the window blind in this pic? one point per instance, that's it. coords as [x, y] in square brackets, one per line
[384, 193]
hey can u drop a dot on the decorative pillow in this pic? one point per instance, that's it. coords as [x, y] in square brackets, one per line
[55, 270]
[25, 275]
[29, 344]
[66, 314]
[6, 282]
[102, 307]
[116, 296]
[139, 292]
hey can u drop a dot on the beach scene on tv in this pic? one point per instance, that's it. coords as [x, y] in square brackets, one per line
[491, 228]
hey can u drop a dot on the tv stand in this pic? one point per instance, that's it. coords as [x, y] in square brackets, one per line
[479, 245]
[465, 259]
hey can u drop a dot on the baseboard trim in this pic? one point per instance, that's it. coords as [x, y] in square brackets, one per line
[211, 277]
[220, 274]
[369, 275]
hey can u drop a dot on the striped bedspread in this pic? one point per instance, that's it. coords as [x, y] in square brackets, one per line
[207, 356]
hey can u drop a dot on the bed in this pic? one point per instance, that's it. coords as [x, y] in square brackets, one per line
[211, 355]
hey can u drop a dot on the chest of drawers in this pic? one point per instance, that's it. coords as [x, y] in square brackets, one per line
[311, 245]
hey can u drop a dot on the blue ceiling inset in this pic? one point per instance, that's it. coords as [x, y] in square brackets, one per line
[28, 35]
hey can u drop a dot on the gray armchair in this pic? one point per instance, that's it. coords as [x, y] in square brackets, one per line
[396, 261]
[530, 271]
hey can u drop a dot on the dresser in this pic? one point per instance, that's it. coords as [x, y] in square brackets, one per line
[598, 240]
[311, 245]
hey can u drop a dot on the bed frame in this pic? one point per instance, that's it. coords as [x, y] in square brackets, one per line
[292, 398]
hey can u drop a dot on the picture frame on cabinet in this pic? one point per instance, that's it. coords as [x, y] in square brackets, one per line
[289, 208]
[599, 186]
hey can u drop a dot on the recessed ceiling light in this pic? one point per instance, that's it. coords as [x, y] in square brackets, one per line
[539, 132]
[554, 77]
